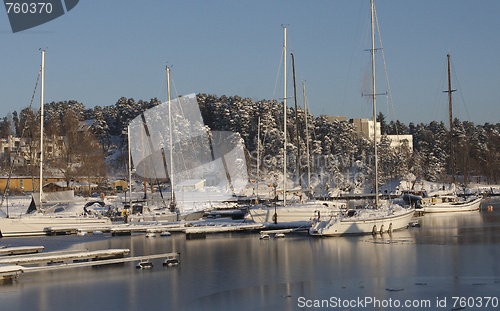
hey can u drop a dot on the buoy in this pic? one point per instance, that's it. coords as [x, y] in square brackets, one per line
[490, 208]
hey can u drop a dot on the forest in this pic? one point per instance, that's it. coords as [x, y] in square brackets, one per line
[316, 146]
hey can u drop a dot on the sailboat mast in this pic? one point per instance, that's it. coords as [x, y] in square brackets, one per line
[258, 153]
[41, 124]
[172, 195]
[284, 116]
[129, 168]
[374, 99]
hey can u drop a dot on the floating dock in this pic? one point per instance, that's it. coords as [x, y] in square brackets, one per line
[200, 232]
[71, 255]
[18, 250]
[11, 268]
[190, 229]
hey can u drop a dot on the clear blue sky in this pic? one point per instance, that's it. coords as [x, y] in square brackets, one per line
[102, 50]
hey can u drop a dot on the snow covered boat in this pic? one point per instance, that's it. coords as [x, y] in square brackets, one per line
[444, 204]
[293, 215]
[39, 224]
[364, 221]
[49, 209]
[380, 217]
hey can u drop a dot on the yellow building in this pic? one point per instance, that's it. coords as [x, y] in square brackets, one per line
[24, 183]
[120, 185]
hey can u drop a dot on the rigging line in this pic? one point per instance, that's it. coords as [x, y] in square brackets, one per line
[150, 142]
[459, 90]
[390, 102]
[18, 150]
[437, 112]
[278, 76]
[354, 48]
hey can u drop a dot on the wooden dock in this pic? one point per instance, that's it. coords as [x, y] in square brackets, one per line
[10, 267]
[99, 262]
[200, 232]
[17, 250]
[190, 229]
[71, 255]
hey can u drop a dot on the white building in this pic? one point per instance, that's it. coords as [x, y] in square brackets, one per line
[365, 128]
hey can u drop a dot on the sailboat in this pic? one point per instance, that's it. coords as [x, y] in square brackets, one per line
[155, 211]
[294, 214]
[40, 219]
[204, 167]
[451, 202]
[379, 218]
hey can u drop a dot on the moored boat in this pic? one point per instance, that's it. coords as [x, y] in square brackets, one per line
[378, 218]
[364, 221]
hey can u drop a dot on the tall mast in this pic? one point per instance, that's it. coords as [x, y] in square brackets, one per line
[129, 168]
[374, 99]
[258, 152]
[296, 120]
[41, 125]
[284, 115]
[450, 111]
[172, 195]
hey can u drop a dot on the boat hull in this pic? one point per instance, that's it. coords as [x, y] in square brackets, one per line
[290, 216]
[453, 207]
[39, 225]
[339, 226]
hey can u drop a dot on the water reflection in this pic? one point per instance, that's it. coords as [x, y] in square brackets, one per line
[449, 255]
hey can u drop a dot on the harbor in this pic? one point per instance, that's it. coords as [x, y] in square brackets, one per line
[450, 254]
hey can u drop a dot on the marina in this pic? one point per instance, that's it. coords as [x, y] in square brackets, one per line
[273, 205]
[238, 270]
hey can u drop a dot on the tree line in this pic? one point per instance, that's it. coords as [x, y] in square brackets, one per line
[327, 148]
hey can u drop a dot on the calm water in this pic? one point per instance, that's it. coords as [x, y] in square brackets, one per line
[455, 255]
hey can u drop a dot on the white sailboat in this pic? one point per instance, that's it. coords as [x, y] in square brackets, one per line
[446, 204]
[378, 218]
[439, 202]
[451, 202]
[39, 221]
[170, 140]
[156, 211]
[290, 214]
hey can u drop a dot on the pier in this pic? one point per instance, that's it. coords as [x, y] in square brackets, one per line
[71, 255]
[20, 250]
[11, 267]
[191, 229]
[200, 232]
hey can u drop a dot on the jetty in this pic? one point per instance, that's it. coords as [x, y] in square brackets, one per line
[17, 250]
[200, 232]
[12, 266]
[191, 229]
[61, 256]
